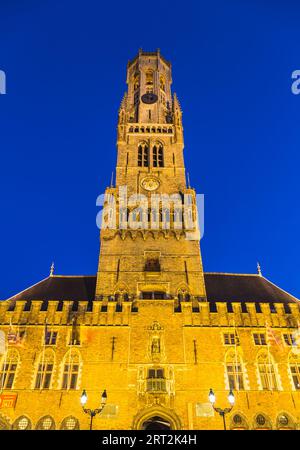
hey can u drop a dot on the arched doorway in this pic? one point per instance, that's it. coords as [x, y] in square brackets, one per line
[156, 423]
[156, 418]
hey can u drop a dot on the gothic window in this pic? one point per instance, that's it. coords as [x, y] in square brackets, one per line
[149, 77]
[294, 367]
[156, 381]
[70, 423]
[238, 422]
[162, 83]
[234, 368]
[157, 156]
[46, 423]
[136, 81]
[44, 370]
[284, 422]
[71, 370]
[267, 373]
[143, 155]
[22, 423]
[262, 422]
[8, 369]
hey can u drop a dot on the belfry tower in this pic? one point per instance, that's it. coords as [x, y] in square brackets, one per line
[151, 248]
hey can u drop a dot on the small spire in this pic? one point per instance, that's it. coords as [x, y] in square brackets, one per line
[259, 269]
[52, 270]
[112, 180]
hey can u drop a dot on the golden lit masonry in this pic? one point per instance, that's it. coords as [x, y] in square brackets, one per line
[151, 340]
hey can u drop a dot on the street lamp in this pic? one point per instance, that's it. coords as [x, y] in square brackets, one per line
[92, 412]
[222, 412]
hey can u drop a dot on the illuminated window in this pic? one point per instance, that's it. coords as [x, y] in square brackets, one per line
[156, 381]
[234, 368]
[267, 373]
[294, 367]
[70, 423]
[8, 370]
[149, 77]
[46, 423]
[44, 370]
[71, 368]
[22, 423]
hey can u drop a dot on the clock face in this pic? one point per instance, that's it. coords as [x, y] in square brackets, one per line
[150, 183]
[149, 98]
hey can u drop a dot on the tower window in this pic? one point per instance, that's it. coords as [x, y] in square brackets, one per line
[158, 156]
[143, 155]
[149, 77]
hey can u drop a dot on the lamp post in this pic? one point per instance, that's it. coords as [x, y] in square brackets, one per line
[92, 412]
[222, 412]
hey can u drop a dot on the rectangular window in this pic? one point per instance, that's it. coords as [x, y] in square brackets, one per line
[7, 375]
[289, 339]
[231, 339]
[267, 377]
[235, 377]
[51, 338]
[70, 376]
[43, 377]
[259, 339]
[156, 381]
[295, 372]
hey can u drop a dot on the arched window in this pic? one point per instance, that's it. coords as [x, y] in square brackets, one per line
[136, 81]
[284, 422]
[8, 369]
[149, 77]
[71, 370]
[70, 423]
[238, 422]
[22, 423]
[46, 423]
[234, 370]
[262, 422]
[294, 368]
[143, 155]
[162, 83]
[158, 156]
[44, 370]
[267, 372]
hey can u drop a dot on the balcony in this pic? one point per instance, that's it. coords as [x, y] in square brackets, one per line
[156, 385]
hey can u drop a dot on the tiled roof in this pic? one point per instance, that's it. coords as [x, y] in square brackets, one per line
[219, 288]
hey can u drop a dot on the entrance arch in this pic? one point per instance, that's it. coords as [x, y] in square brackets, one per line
[156, 418]
[156, 423]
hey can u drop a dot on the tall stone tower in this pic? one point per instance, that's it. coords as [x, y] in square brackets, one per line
[150, 237]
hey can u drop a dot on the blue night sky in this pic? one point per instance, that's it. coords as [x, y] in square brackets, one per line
[65, 63]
